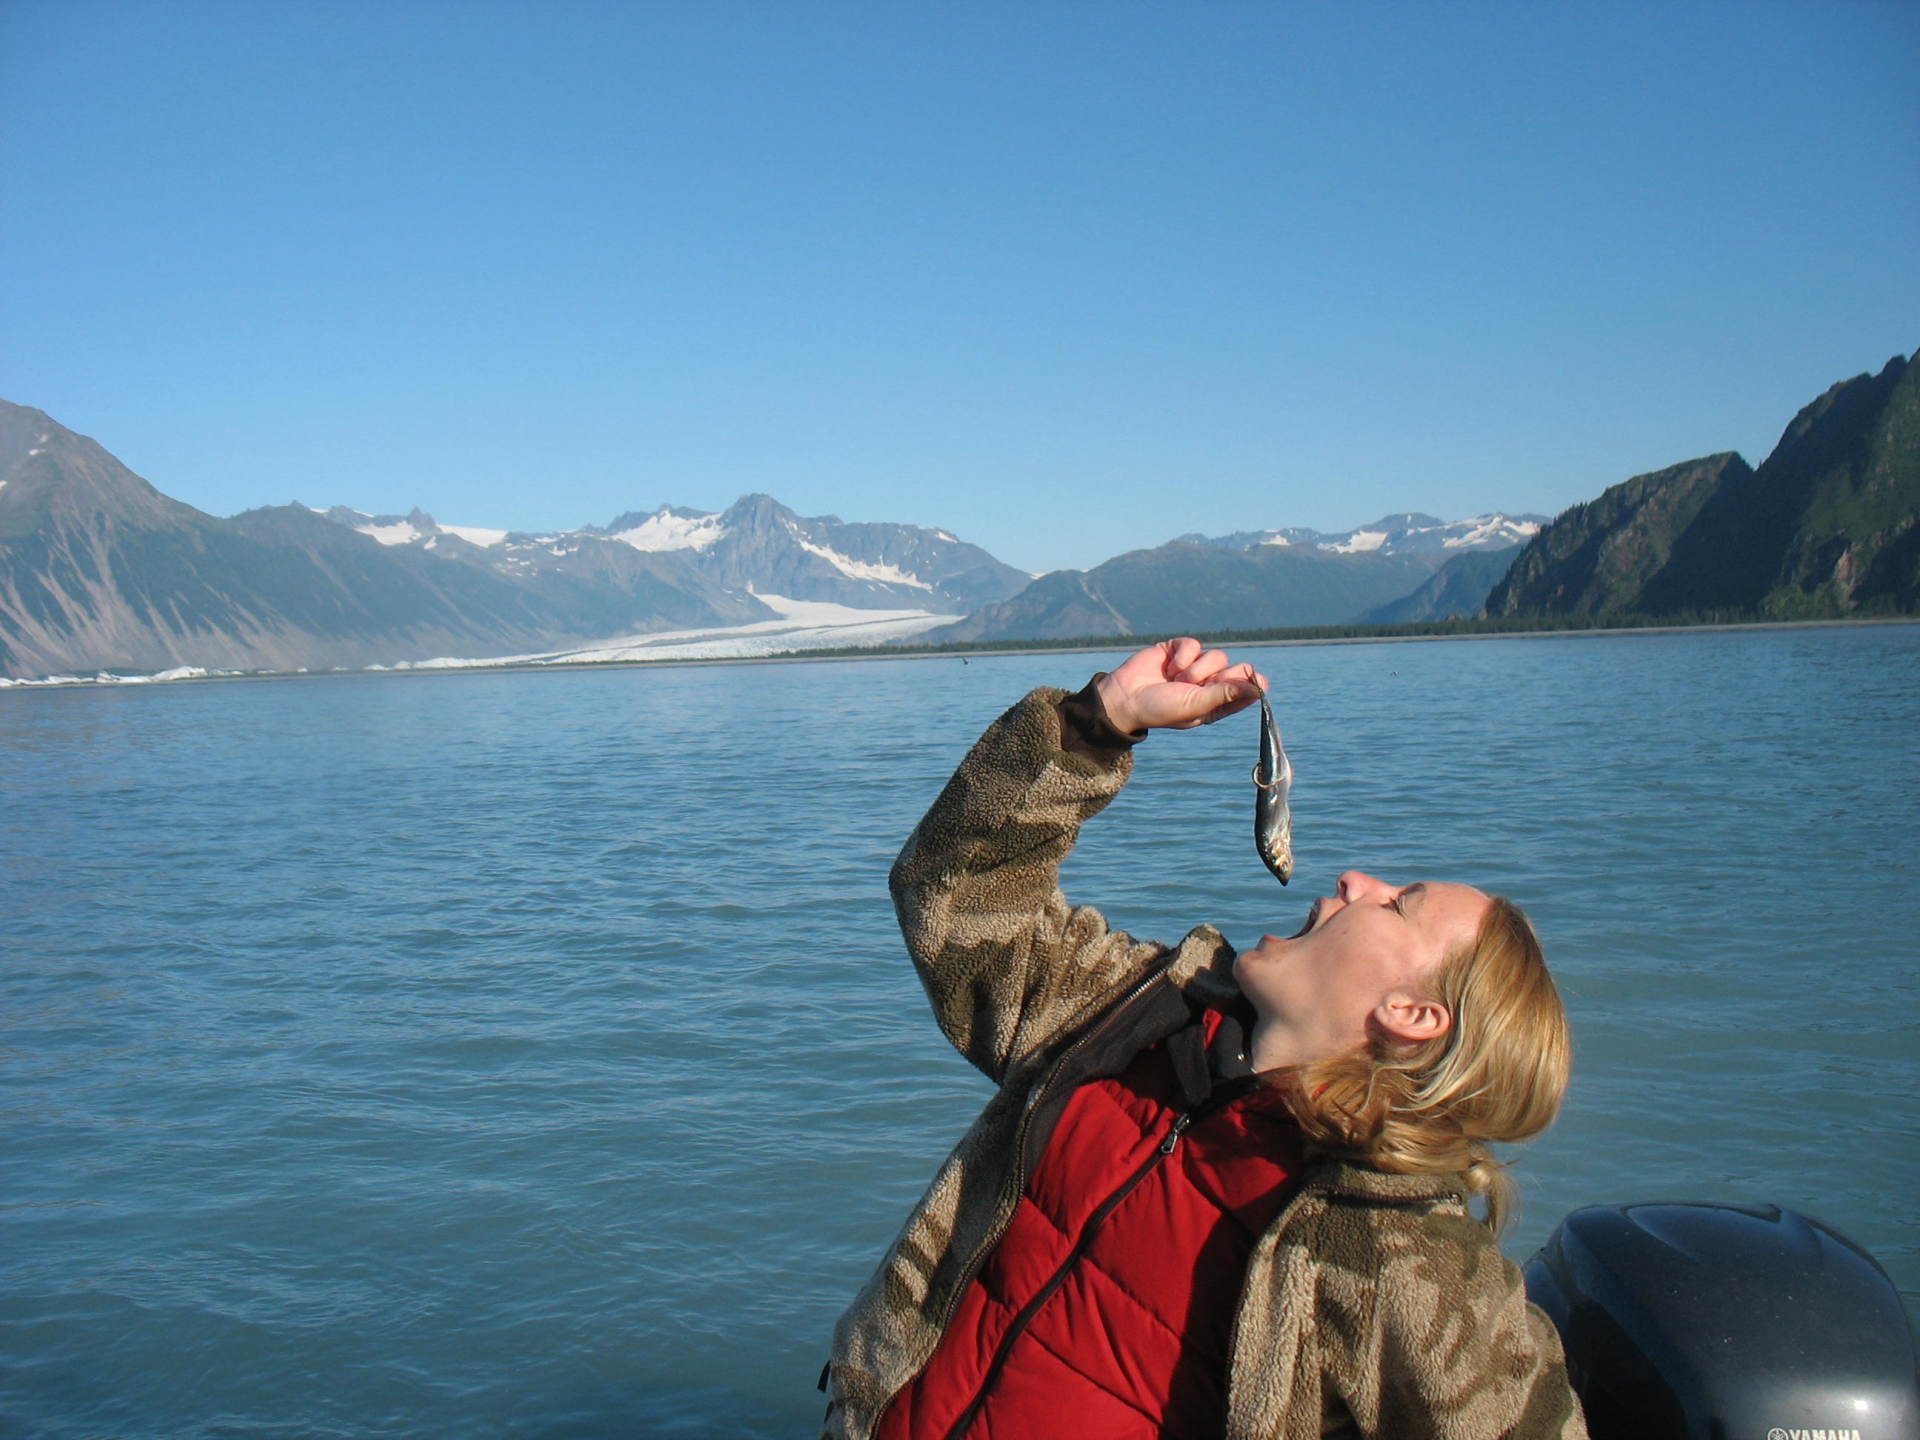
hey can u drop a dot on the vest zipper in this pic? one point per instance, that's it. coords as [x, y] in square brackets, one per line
[1180, 1123]
[1095, 1220]
[1034, 1102]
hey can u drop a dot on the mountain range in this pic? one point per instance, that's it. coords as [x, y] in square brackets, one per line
[1249, 580]
[99, 571]
[1404, 534]
[756, 545]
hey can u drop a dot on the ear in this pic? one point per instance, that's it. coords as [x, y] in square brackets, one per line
[1413, 1020]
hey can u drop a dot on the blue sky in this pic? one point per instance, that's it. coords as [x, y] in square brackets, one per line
[1066, 279]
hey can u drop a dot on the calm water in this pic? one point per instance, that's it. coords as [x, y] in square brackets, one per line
[533, 1055]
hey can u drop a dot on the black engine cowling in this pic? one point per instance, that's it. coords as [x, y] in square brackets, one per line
[1717, 1322]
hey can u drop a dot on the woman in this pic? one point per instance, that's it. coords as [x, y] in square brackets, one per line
[1214, 1194]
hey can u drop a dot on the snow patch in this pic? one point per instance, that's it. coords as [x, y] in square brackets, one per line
[858, 569]
[673, 532]
[803, 625]
[402, 533]
[1358, 543]
[1492, 527]
[1276, 539]
[474, 535]
[179, 672]
[105, 677]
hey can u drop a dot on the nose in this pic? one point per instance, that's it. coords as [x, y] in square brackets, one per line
[1356, 885]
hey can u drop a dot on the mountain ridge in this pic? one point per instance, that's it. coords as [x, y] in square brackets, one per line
[100, 571]
[1408, 532]
[1186, 587]
[757, 543]
[1827, 525]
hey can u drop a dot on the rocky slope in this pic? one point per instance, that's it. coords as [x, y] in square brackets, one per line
[1828, 525]
[1184, 587]
[100, 571]
[1459, 587]
[1599, 556]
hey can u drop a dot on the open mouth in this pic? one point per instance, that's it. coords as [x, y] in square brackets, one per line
[1313, 918]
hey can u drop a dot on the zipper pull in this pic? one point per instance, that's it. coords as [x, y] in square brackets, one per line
[1180, 1122]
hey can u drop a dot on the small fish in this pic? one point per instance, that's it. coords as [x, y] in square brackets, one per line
[1273, 779]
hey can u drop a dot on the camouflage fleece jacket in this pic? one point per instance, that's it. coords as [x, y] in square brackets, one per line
[1374, 1306]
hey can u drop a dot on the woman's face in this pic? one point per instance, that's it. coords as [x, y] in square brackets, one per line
[1361, 960]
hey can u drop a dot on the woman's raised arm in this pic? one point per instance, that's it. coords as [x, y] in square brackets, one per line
[1007, 962]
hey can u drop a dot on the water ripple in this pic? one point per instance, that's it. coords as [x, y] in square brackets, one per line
[533, 1055]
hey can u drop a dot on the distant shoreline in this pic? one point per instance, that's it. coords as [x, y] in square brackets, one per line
[829, 657]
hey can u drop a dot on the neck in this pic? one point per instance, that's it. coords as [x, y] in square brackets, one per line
[1273, 1044]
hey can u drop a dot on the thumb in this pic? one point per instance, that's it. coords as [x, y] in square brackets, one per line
[1221, 698]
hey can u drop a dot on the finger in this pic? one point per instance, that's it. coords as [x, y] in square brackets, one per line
[1244, 689]
[1243, 673]
[1241, 701]
[1144, 667]
[1205, 668]
[1246, 675]
[1180, 654]
[1224, 698]
[1193, 705]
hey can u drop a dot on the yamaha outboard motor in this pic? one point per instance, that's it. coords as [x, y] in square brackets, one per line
[1715, 1322]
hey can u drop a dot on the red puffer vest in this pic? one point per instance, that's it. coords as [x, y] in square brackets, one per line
[1106, 1309]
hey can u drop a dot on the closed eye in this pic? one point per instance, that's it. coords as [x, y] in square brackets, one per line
[1399, 901]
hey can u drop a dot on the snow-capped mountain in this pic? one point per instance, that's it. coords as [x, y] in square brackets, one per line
[1407, 534]
[757, 546]
[101, 572]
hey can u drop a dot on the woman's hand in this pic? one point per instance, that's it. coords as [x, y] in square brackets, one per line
[1176, 685]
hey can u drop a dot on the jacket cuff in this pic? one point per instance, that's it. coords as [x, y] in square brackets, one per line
[1085, 728]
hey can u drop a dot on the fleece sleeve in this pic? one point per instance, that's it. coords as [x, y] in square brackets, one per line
[1008, 964]
[1432, 1338]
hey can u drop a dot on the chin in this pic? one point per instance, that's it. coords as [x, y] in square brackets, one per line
[1270, 951]
[1274, 943]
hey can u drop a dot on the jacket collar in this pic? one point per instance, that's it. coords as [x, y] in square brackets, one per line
[1344, 1178]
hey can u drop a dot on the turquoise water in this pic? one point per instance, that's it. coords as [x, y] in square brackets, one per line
[532, 1055]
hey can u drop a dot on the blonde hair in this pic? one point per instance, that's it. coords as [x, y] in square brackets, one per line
[1438, 1106]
